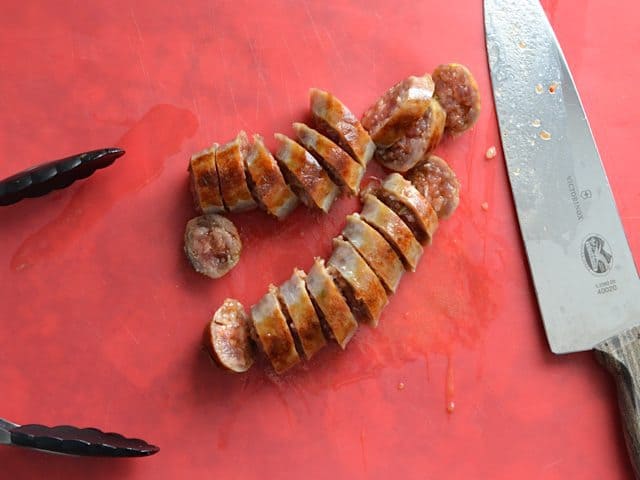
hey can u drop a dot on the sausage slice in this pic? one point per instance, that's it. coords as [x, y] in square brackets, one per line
[399, 107]
[297, 305]
[272, 332]
[420, 138]
[334, 311]
[342, 169]
[375, 250]
[458, 93]
[226, 337]
[212, 245]
[393, 229]
[267, 182]
[305, 175]
[205, 184]
[233, 181]
[358, 283]
[414, 209]
[437, 182]
[333, 119]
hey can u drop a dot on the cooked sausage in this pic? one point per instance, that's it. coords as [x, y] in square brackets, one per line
[399, 107]
[435, 179]
[305, 175]
[226, 337]
[419, 138]
[272, 332]
[233, 181]
[359, 284]
[212, 244]
[266, 181]
[414, 209]
[304, 321]
[205, 184]
[458, 93]
[343, 170]
[333, 119]
[375, 250]
[331, 305]
[393, 229]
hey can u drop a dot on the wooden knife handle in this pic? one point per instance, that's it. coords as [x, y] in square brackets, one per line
[620, 355]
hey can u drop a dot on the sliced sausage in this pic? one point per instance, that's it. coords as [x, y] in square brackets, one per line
[267, 182]
[414, 209]
[458, 93]
[375, 250]
[226, 337]
[343, 170]
[305, 175]
[333, 119]
[272, 332]
[437, 182]
[212, 244]
[393, 229]
[233, 181]
[331, 305]
[399, 107]
[205, 184]
[419, 138]
[304, 320]
[358, 283]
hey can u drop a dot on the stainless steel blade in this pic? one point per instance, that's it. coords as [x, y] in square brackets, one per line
[5, 431]
[582, 267]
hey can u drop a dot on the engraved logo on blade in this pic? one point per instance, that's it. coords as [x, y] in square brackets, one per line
[596, 254]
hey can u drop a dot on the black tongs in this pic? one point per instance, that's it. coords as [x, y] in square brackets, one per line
[69, 440]
[44, 178]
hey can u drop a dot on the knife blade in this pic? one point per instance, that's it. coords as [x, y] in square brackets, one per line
[583, 271]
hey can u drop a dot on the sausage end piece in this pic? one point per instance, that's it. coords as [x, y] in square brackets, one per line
[226, 337]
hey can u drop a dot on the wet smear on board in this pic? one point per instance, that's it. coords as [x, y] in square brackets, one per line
[157, 135]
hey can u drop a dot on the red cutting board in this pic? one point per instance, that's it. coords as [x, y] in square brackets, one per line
[102, 315]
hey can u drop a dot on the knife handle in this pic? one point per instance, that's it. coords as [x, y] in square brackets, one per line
[70, 440]
[620, 355]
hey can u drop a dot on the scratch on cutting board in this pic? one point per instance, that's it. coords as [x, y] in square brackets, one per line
[142, 66]
[259, 69]
[552, 464]
[292, 59]
[364, 457]
[130, 333]
[336, 50]
[314, 27]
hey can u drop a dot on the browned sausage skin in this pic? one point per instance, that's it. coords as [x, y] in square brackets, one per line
[458, 93]
[212, 245]
[420, 138]
[408, 203]
[272, 332]
[359, 284]
[393, 229]
[375, 250]
[231, 171]
[226, 337]
[333, 119]
[435, 180]
[343, 170]
[267, 182]
[399, 107]
[331, 306]
[204, 181]
[305, 175]
[304, 321]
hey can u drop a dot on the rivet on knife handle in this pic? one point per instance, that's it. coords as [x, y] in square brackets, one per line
[620, 355]
[42, 179]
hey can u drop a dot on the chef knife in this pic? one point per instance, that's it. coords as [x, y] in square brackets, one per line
[582, 268]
